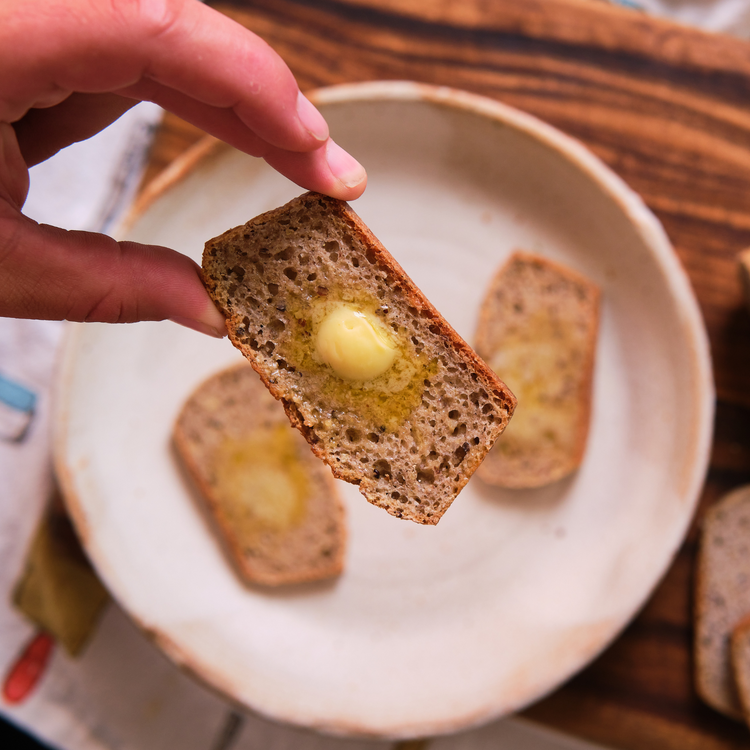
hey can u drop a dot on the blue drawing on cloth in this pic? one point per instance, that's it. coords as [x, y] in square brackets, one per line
[17, 404]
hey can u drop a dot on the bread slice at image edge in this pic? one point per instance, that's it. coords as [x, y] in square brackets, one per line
[537, 329]
[227, 417]
[722, 598]
[740, 658]
[410, 451]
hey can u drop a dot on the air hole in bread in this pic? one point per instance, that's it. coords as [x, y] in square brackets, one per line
[273, 289]
[381, 468]
[353, 436]
[426, 476]
[290, 273]
[373, 437]
[454, 414]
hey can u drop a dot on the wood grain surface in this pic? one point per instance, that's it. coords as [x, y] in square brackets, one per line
[668, 109]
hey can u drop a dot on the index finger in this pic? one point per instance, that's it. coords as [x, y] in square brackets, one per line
[51, 50]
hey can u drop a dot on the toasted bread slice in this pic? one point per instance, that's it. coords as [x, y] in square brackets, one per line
[273, 504]
[537, 329]
[722, 597]
[410, 437]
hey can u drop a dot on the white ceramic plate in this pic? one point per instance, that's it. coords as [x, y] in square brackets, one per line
[430, 629]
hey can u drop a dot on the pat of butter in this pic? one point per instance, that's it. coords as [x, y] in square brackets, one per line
[354, 344]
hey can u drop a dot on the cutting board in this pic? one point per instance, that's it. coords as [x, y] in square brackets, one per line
[668, 109]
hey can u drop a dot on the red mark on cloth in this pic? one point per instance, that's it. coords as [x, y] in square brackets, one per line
[28, 668]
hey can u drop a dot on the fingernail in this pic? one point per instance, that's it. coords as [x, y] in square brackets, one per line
[344, 166]
[311, 119]
[202, 326]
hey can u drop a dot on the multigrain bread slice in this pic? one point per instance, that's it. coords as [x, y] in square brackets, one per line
[722, 597]
[273, 504]
[538, 327]
[410, 437]
[740, 659]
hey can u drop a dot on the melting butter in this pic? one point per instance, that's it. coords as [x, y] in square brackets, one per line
[541, 364]
[261, 482]
[354, 344]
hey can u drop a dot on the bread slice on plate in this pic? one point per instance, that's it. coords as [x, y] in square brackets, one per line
[381, 386]
[740, 659]
[537, 328]
[273, 504]
[722, 598]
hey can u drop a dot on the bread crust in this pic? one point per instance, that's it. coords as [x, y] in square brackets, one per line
[740, 659]
[361, 266]
[526, 291]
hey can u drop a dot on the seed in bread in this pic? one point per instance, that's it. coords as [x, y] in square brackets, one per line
[273, 504]
[537, 328]
[740, 659]
[409, 435]
[722, 597]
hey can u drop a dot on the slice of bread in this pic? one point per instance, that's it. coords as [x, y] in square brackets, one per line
[740, 659]
[537, 328]
[410, 437]
[273, 504]
[722, 597]
[743, 260]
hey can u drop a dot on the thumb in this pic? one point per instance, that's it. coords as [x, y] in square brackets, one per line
[53, 274]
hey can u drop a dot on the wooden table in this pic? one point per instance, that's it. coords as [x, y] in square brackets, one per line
[668, 109]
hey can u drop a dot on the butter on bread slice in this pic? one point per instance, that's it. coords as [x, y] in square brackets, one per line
[722, 598]
[537, 329]
[274, 506]
[411, 436]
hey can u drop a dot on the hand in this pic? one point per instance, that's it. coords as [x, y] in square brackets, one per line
[71, 67]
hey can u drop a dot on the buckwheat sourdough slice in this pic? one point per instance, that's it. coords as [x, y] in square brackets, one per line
[740, 658]
[273, 504]
[538, 327]
[722, 597]
[410, 437]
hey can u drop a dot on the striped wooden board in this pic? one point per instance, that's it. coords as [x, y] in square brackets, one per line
[668, 109]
